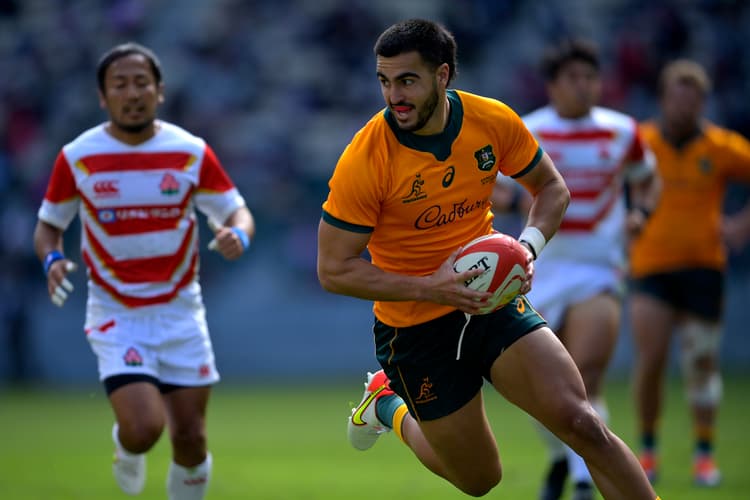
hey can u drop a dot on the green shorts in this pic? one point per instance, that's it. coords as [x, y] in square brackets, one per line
[439, 366]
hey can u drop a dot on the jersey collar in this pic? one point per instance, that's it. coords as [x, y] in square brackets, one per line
[439, 145]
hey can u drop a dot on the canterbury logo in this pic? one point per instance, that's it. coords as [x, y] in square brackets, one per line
[106, 188]
[357, 416]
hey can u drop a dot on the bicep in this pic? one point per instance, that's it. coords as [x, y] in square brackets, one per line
[335, 245]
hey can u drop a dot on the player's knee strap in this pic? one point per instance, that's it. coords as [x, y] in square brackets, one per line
[699, 341]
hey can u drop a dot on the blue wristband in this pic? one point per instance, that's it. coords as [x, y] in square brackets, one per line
[51, 257]
[242, 235]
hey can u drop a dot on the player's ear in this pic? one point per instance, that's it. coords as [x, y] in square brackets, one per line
[160, 93]
[443, 74]
[102, 99]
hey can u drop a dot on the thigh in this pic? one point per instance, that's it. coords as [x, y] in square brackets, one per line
[652, 321]
[138, 405]
[186, 409]
[590, 335]
[538, 375]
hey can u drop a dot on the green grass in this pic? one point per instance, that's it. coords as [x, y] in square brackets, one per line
[283, 443]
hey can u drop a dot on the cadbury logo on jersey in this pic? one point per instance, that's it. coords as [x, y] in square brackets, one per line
[436, 216]
[106, 189]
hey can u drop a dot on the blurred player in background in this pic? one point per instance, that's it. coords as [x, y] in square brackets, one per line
[135, 182]
[579, 280]
[679, 260]
[411, 187]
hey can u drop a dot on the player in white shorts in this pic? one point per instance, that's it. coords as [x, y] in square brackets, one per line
[136, 182]
[579, 279]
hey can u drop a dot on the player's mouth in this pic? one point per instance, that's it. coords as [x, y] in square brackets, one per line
[402, 111]
[134, 111]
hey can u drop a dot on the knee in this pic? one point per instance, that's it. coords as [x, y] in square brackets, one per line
[481, 485]
[140, 436]
[583, 428]
[189, 437]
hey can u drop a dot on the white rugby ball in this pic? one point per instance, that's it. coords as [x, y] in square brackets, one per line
[504, 260]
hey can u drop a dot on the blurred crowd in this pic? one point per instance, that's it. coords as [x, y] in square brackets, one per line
[279, 87]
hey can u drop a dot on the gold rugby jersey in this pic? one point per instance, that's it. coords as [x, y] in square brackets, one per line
[421, 197]
[684, 231]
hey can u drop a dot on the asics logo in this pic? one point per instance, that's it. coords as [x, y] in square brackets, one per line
[106, 188]
[357, 415]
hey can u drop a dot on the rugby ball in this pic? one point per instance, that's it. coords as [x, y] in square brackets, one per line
[504, 260]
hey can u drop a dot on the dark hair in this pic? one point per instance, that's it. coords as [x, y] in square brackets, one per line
[434, 43]
[124, 50]
[568, 50]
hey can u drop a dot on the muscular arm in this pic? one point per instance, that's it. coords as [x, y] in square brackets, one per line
[550, 196]
[342, 270]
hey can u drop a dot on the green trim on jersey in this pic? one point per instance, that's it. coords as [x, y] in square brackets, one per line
[531, 165]
[438, 144]
[355, 228]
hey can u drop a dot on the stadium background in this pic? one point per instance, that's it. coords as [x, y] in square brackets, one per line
[278, 88]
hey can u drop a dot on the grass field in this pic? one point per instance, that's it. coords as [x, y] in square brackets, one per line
[290, 443]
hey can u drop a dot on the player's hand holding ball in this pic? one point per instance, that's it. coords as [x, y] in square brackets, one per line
[507, 267]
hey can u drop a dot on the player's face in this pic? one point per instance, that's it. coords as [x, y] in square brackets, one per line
[131, 95]
[413, 91]
[682, 105]
[575, 90]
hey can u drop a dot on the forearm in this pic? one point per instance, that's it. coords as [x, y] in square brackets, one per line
[359, 278]
[242, 219]
[548, 208]
[46, 239]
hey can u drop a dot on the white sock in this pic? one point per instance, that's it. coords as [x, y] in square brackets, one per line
[577, 467]
[188, 483]
[555, 447]
[124, 454]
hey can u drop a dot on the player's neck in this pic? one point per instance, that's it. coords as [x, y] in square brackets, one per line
[132, 138]
[680, 133]
[439, 119]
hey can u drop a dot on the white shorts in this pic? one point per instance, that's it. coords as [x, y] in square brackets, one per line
[166, 341]
[560, 284]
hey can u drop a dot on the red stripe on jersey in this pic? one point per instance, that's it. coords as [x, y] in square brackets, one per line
[62, 184]
[129, 162]
[588, 184]
[212, 176]
[579, 135]
[141, 301]
[117, 221]
[635, 152]
[589, 223]
[146, 269]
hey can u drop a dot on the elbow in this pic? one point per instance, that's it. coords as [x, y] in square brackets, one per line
[327, 280]
[565, 196]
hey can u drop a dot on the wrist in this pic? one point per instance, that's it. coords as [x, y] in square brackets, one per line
[645, 212]
[50, 258]
[534, 239]
[242, 235]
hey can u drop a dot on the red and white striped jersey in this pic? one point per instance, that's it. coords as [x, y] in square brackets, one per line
[139, 236]
[595, 154]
